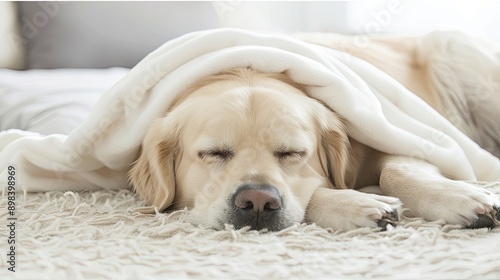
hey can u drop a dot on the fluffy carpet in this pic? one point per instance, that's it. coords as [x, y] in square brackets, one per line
[97, 235]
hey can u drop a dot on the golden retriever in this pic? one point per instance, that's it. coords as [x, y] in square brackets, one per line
[252, 149]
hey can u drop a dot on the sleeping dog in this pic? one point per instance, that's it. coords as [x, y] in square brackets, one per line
[266, 155]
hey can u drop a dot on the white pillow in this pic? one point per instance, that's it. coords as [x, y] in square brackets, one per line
[52, 101]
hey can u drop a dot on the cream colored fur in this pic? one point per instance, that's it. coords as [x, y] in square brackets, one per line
[227, 129]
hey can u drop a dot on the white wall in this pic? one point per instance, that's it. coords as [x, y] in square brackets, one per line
[478, 17]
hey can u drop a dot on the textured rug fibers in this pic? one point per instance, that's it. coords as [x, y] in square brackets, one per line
[97, 235]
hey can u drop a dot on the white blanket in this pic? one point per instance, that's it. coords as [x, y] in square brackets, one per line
[379, 112]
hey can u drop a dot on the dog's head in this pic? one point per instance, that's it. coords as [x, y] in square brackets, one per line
[243, 148]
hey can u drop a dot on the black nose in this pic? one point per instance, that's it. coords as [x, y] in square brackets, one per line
[257, 198]
[258, 206]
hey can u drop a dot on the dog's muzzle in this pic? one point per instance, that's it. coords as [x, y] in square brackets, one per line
[257, 206]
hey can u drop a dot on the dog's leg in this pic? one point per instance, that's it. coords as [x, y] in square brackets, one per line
[429, 194]
[350, 209]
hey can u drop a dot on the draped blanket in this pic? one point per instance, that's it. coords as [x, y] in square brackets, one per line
[378, 110]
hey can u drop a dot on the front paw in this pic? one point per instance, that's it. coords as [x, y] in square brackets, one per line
[458, 203]
[349, 209]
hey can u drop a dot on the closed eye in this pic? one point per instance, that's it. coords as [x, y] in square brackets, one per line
[289, 154]
[221, 154]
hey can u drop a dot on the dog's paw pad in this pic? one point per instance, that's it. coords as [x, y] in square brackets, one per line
[496, 211]
[390, 218]
[482, 221]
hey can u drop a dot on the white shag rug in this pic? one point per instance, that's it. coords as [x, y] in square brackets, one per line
[96, 235]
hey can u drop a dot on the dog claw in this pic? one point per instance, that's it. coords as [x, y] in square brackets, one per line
[391, 218]
[482, 221]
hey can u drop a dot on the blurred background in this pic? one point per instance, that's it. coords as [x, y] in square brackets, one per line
[107, 34]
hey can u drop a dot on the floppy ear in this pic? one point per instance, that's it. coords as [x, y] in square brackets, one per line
[337, 148]
[153, 174]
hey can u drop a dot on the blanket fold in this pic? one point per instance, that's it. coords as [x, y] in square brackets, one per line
[379, 111]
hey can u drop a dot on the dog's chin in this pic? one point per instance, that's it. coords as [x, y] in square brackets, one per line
[270, 220]
[224, 218]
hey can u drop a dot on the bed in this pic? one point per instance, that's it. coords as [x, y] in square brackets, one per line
[59, 99]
